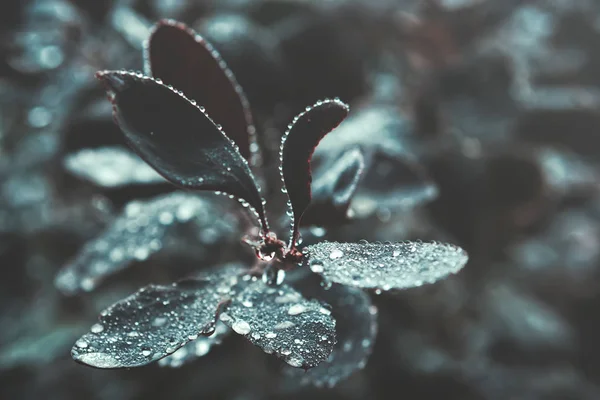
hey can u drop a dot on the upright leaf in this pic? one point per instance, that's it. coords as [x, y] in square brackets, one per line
[297, 147]
[155, 322]
[279, 320]
[178, 139]
[385, 266]
[183, 59]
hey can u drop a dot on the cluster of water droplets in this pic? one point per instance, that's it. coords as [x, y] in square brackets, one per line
[385, 266]
[280, 321]
[155, 322]
[111, 167]
[143, 229]
[356, 330]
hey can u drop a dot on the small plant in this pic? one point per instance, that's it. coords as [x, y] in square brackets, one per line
[190, 121]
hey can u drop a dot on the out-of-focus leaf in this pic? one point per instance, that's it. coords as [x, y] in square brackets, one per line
[333, 189]
[356, 329]
[385, 266]
[392, 182]
[183, 59]
[143, 229]
[196, 348]
[297, 147]
[280, 321]
[155, 322]
[111, 167]
[566, 173]
[178, 139]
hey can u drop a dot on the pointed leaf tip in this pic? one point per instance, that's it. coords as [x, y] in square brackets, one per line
[182, 58]
[385, 266]
[297, 147]
[178, 139]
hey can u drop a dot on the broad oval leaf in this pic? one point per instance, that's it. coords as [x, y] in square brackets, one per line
[385, 266]
[143, 229]
[178, 139]
[111, 167]
[183, 59]
[155, 322]
[297, 147]
[334, 188]
[356, 330]
[280, 321]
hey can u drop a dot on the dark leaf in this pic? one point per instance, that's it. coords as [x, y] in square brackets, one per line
[111, 167]
[279, 320]
[385, 266]
[392, 182]
[297, 147]
[183, 59]
[155, 322]
[178, 139]
[334, 188]
[196, 348]
[141, 231]
[356, 329]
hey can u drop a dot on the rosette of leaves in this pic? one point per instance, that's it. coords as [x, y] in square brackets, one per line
[189, 120]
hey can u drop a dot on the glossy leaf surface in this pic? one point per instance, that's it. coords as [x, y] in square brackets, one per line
[385, 266]
[178, 139]
[297, 147]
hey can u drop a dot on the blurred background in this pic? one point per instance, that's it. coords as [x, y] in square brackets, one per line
[479, 121]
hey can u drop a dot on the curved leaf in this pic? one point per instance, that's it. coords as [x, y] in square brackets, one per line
[183, 59]
[334, 188]
[155, 321]
[385, 266]
[111, 167]
[356, 329]
[297, 147]
[279, 320]
[142, 230]
[178, 139]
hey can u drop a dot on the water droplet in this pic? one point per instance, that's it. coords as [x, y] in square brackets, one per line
[82, 344]
[335, 254]
[241, 327]
[296, 309]
[97, 328]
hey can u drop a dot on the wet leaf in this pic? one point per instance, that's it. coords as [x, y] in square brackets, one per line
[385, 266]
[356, 329]
[297, 147]
[183, 59]
[111, 167]
[334, 188]
[154, 322]
[141, 231]
[280, 321]
[196, 348]
[178, 139]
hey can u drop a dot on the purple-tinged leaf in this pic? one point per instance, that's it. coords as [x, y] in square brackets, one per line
[143, 229]
[111, 167]
[334, 188]
[385, 266]
[178, 139]
[196, 348]
[297, 147]
[183, 59]
[356, 330]
[280, 321]
[155, 321]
